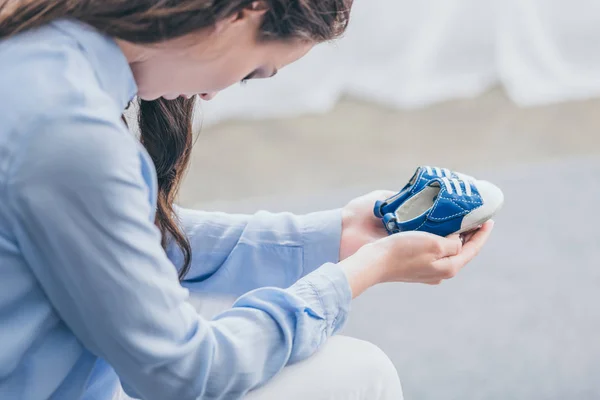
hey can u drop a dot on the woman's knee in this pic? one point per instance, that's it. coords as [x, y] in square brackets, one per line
[344, 368]
[374, 369]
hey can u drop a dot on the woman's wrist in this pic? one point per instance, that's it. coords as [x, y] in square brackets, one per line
[361, 271]
[347, 217]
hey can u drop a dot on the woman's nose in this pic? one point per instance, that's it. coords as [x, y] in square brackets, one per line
[208, 96]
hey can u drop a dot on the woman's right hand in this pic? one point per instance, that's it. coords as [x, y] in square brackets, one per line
[417, 257]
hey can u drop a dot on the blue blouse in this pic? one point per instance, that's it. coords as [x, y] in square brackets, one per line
[87, 293]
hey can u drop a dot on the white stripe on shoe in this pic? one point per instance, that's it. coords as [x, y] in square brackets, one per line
[468, 187]
[457, 186]
[448, 185]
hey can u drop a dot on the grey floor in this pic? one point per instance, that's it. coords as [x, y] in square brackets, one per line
[523, 320]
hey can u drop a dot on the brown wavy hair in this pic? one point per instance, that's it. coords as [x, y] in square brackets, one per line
[166, 125]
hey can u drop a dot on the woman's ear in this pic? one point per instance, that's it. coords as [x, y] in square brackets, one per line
[252, 13]
[256, 9]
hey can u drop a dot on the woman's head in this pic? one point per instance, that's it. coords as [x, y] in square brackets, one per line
[187, 47]
[231, 41]
[215, 62]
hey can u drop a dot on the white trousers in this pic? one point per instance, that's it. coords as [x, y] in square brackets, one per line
[343, 369]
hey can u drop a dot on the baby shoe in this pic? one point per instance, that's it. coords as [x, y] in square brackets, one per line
[422, 176]
[442, 206]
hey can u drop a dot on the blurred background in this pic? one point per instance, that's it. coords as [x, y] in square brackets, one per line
[505, 90]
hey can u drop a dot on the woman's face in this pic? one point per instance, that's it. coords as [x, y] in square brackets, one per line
[207, 62]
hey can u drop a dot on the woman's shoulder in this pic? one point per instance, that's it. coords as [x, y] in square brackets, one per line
[45, 72]
[55, 104]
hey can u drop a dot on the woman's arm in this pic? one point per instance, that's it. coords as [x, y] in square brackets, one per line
[234, 253]
[83, 220]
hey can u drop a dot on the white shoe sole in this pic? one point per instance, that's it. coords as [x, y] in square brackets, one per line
[493, 200]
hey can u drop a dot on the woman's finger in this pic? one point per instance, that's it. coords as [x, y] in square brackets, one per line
[450, 246]
[469, 250]
[465, 237]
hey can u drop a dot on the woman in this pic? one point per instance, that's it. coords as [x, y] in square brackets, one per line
[91, 245]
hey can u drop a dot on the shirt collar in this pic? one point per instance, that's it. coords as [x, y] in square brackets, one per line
[107, 59]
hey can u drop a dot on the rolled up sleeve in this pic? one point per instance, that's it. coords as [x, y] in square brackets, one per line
[236, 253]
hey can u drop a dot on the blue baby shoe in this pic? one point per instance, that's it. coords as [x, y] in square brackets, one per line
[422, 176]
[442, 203]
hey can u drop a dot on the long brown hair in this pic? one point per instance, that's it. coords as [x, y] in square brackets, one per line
[166, 126]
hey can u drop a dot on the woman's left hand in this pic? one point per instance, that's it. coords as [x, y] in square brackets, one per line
[359, 224]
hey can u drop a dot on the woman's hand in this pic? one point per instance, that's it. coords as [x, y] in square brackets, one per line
[359, 224]
[412, 257]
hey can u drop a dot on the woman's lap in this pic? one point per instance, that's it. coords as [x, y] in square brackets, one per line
[344, 369]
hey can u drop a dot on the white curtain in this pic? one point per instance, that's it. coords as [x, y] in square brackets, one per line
[410, 54]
